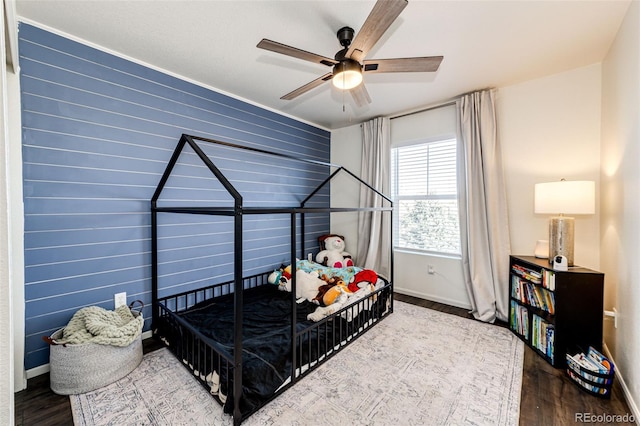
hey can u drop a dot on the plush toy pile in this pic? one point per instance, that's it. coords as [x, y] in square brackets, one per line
[332, 282]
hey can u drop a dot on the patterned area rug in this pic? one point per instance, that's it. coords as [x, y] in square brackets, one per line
[417, 367]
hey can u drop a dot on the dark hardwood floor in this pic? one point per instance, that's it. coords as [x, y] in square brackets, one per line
[548, 397]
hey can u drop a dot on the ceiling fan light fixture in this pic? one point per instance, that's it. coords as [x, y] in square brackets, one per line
[347, 74]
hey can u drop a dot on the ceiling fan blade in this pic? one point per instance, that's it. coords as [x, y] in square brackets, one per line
[360, 95]
[303, 89]
[421, 64]
[380, 18]
[274, 46]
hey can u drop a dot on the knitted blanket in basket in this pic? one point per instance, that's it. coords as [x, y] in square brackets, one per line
[94, 324]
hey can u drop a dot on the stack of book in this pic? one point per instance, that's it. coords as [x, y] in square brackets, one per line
[592, 371]
[543, 336]
[530, 274]
[549, 279]
[532, 294]
[519, 319]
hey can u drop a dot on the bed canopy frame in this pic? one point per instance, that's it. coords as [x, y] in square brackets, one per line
[237, 211]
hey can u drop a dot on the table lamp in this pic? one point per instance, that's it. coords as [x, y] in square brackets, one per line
[560, 198]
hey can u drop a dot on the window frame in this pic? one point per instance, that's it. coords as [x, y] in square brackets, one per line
[393, 182]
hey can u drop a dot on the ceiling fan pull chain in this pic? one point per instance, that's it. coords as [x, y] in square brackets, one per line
[343, 109]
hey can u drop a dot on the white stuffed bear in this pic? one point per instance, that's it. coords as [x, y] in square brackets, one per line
[307, 284]
[333, 254]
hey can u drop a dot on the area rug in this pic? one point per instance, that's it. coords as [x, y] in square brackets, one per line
[417, 367]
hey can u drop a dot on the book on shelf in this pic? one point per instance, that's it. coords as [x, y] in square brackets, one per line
[543, 336]
[549, 279]
[550, 344]
[528, 273]
[519, 319]
[531, 294]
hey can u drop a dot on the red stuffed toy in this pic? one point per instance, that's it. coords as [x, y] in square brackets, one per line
[366, 275]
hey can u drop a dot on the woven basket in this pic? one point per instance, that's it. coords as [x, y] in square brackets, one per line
[86, 367]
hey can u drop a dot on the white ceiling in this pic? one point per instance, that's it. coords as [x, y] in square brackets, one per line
[485, 44]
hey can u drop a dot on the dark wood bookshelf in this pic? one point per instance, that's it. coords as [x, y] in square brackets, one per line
[559, 313]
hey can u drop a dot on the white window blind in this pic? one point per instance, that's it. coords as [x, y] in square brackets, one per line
[424, 190]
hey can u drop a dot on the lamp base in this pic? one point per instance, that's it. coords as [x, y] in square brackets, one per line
[561, 238]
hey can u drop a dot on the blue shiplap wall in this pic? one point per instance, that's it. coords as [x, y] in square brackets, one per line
[98, 131]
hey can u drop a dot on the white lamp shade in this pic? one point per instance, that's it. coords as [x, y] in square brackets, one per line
[347, 74]
[347, 79]
[565, 197]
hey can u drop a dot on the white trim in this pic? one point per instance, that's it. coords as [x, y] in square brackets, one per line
[7, 334]
[37, 371]
[153, 67]
[420, 141]
[12, 31]
[432, 298]
[625, 389]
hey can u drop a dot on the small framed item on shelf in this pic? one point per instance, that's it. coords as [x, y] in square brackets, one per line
[592, 372]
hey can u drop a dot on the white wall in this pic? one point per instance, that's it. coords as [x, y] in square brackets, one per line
[6, 331]
[346, 151]
[549, 128]
[620, 204]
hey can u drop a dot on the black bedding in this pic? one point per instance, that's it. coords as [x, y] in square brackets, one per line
[267, 357]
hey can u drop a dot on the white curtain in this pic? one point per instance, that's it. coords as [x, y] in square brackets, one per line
[374, 228]
[484, 228]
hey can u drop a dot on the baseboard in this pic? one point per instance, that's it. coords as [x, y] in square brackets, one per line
[37, 371]
[433, 298]
[625, 389]
[44, 369]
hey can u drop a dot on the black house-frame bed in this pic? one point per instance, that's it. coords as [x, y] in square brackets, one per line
[243, 339]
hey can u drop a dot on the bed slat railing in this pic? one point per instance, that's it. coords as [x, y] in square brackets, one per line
[214, 366]
[337, 332]
[206, 363]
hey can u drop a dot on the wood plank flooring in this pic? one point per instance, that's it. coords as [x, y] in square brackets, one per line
[548, 396]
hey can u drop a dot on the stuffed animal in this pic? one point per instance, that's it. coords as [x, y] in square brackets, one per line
[307, 283]
[333, 253]
[335, 290]
[361, 279]
[280, 276]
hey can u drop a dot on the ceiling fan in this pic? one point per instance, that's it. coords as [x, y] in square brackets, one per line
[350, 63]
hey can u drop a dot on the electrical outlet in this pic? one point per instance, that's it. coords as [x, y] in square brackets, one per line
[120, 299]
[430, 269]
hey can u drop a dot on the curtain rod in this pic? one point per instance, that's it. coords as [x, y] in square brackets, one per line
[442, 105]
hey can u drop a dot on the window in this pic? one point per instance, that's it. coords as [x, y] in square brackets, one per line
[424, 192]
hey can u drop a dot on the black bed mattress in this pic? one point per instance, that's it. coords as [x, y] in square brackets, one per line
[267, 349]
